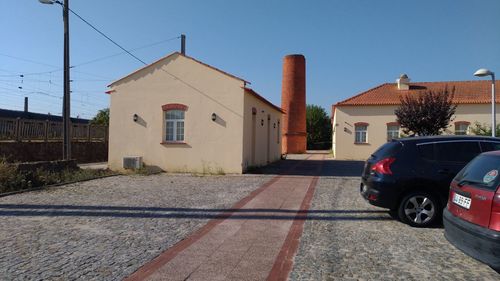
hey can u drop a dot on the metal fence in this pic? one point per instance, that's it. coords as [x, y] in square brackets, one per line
[36, 130]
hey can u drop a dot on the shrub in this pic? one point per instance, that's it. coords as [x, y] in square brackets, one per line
[11, 179]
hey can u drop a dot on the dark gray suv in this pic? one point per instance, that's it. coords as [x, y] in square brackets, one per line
[411, 176]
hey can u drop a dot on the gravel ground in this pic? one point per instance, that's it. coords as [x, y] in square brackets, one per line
[356, 241]
[105, 229]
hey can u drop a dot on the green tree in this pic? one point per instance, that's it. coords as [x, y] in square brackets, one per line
[426, 114]
[101, 118]
[319, 128]
[483, 129]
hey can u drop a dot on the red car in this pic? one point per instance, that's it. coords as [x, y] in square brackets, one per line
[472, 217]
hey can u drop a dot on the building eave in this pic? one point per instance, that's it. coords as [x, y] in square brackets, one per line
[261, 98]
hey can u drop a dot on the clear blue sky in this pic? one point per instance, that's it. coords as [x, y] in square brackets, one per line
[350, 46]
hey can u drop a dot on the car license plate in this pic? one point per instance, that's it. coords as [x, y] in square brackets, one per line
[461, 201]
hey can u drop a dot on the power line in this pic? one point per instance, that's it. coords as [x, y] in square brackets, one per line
[57, 69]
[170, 74]
[13, 74]
[121, 53]
[27, 60]
[105, 36]
[50, 82]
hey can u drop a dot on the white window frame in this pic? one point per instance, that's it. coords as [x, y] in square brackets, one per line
[461, 131]
[176, 137]
[360, 133]
[392, 133]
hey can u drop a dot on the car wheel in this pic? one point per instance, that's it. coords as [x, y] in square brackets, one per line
[419, 209]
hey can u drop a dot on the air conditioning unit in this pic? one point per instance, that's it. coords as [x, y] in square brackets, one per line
[132, 162]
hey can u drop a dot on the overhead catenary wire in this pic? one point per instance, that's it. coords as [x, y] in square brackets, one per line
[58, 69]
[38, 91]
[144, 63]
[15, 97]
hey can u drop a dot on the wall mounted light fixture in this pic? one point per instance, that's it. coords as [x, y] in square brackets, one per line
[136, 117]
[214, 117]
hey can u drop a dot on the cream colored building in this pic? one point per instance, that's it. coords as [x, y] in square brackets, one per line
[364, 122]
[183, 115]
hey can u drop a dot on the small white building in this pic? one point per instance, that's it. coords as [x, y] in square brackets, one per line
[365, 121]
[183, 115]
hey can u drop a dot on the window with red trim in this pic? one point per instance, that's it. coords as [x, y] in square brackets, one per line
[462, 128]
[393, 131]
[174, 122]
[361, 132]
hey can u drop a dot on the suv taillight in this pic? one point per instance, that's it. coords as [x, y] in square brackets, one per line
[495, 212]
[384, 166]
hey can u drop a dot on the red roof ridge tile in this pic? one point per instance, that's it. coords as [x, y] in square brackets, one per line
[466, 92]
[440, 82]
[360, 94]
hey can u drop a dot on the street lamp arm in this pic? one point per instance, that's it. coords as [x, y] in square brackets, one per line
[50, 2]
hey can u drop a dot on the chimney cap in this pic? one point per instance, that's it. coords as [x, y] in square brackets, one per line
[294, 56]
[403, 82]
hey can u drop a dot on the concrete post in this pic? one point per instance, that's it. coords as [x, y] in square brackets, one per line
[46, 128]
[18, 129]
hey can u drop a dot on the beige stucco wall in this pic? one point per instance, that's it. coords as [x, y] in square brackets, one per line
[378, 116]
[267, 147]
[210, 146]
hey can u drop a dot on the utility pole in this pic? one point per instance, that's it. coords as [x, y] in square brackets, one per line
[66, 97]
[183, 44]
[66, 87]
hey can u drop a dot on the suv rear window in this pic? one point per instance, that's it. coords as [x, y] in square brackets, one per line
[482, 172]
[426, 151]
[388, 149]
[489, 146]
[457, 151]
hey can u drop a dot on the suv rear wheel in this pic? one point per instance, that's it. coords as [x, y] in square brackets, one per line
[419, 209]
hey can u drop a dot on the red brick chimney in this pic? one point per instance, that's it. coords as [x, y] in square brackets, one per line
[293, 102]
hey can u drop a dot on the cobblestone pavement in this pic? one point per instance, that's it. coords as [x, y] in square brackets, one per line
[348, 239]
[105, 229]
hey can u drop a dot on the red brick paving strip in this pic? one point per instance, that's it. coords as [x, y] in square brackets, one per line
[149, 268]
[239, 250]
[284, 262]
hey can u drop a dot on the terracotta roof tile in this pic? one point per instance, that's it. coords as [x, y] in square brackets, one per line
[466, 92]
